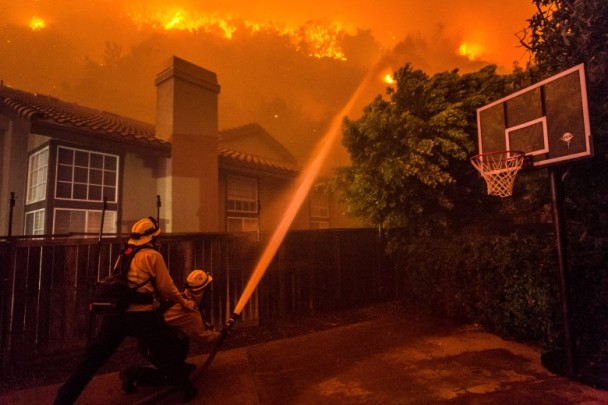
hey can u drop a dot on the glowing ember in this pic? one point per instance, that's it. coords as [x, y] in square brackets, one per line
[37, 23]
[471, 51]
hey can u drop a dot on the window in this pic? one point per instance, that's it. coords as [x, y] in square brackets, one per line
[34, 222]
[242, 194]
[86, 176]
[319, 210]
[241, 204]
[83, 221]
[242, 224]
[37, 174]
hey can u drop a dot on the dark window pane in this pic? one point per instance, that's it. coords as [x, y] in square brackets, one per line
[64, 173]
[80, 191]
[81, 175]
[109, 193]
[66, 156]
[95, 176]
[111, 163]
[96, 161]
[29, 224]
[81, 159]
[64, 190]
[69, 221]
[109, 178]
[95, 193]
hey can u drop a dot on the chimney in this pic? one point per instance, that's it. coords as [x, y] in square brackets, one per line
[187, 116]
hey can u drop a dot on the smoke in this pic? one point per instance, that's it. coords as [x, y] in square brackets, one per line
[95, 53]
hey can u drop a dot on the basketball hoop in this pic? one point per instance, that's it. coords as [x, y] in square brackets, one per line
[499, 170]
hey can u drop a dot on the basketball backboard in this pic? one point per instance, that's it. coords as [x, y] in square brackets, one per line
[548, 121]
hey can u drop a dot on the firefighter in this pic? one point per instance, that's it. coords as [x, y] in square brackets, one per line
[142, 320]
[188, 324]
[191, 323]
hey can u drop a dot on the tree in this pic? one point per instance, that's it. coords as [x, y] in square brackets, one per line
[410, 153]
[565, 33]
[562, 34]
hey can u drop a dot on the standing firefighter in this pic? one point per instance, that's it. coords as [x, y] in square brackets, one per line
[189, 325]
[148, 274]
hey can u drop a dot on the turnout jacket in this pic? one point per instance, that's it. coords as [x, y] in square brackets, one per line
[149, 264]
[188, 322]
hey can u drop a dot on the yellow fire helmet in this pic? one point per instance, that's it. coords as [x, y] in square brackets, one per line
[143, 231]
[197, 281]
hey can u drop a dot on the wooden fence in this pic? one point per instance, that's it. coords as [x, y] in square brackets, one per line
[46, 283]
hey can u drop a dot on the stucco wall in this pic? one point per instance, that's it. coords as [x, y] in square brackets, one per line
[138, 191]
[13, 175]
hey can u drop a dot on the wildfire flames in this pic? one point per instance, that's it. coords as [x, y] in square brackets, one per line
[37, 23]
[471, 51]
[388, 79]
[317, 39]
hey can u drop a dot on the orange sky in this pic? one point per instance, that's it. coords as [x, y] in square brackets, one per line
[106, 53]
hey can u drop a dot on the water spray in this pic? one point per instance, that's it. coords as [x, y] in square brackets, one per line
[305, 183]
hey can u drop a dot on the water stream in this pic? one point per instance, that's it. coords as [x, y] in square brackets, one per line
[305, 182]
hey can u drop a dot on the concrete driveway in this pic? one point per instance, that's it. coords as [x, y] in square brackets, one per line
[389, 360]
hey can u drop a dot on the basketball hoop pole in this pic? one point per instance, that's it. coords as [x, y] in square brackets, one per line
[557, 197]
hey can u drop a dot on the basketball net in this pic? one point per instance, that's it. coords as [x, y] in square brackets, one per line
[499, 170]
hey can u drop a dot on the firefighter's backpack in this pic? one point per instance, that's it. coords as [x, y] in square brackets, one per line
[112, 293]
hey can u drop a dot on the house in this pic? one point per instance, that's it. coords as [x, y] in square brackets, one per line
[70, 165]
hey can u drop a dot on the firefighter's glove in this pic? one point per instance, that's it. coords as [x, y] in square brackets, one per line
[189, 304]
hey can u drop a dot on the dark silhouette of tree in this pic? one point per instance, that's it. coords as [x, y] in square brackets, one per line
[410, 153]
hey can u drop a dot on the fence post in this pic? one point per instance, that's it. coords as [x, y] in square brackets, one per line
[11, 205]
[158, 209]
[6, 318]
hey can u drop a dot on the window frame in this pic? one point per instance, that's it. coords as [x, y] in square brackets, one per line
[110, 218]
[245, 209]
[39, 174]
[319, 210]
[35, 230]
[77, 170]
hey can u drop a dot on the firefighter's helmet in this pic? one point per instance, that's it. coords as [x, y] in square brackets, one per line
[197, 281]
[143, 231]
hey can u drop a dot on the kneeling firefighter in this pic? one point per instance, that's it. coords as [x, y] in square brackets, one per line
[148, 274]
[189, 325]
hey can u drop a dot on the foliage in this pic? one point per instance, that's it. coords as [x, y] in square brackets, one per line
[410, 175]
[509, 283]
[562, 34]
[478, 278]
[589, 286]
[409, 153]
[565, 33]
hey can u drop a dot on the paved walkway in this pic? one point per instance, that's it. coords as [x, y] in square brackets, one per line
[385, 361]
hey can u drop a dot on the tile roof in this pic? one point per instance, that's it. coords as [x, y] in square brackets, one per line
[50, 112]
[256, 160]
[254, 129]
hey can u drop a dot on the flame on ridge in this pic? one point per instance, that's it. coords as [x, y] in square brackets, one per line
[317, 39]
[470, 50]
[37, 23]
